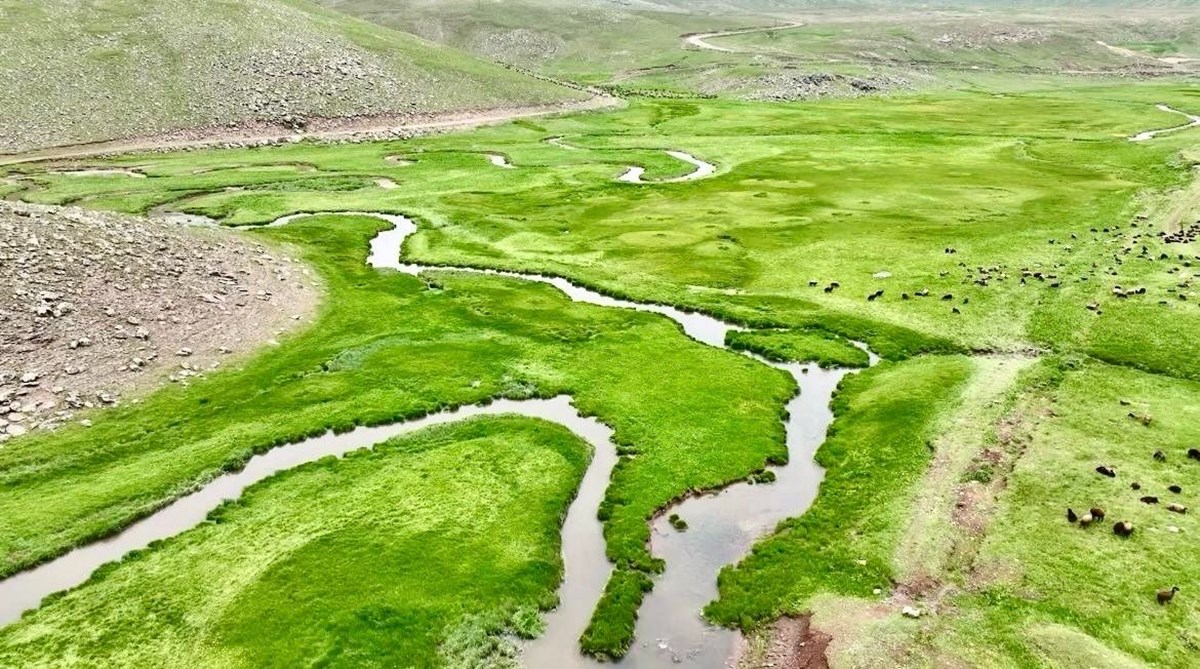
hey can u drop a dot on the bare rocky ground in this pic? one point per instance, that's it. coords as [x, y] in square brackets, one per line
[789, 84]
[789, 643]
[96, 308]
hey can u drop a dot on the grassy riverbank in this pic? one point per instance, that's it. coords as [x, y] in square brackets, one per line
[389, 347]
[986, 554]
[843, 544]
[433, 546]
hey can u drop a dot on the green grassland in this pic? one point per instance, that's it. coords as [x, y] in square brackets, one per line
[798, 346]
[434, 543]
[77, 71]
[966, 194]
[637, 48]
[843, 544]
[1037, 575]
[389, 347]
[798, 193]
[1032, 589]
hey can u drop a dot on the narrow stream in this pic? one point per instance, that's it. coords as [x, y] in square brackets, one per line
[634, 174]
[25, 590]
[1193, 121]
[500, 161]
[100, 172]
[722, 526]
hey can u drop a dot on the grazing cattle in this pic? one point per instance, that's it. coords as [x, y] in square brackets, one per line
[948, 296]
[1159, 455]
[1175, 489]
[1085, 520]
[1194, 453]
[1135, 485]
[1071, 517]
[812, 282]
[1107, 471]
[955, 311]
[1097, 513]
[828, 289]
[1165, 596]
[1149, 499]
[1176, 508]
[1123, 528]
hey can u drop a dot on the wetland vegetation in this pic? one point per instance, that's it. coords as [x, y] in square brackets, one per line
[999, 247]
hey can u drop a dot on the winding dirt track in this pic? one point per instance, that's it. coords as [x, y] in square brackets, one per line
[380, 127]
[700, 40]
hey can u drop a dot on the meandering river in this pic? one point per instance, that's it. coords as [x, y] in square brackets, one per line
[721, 526]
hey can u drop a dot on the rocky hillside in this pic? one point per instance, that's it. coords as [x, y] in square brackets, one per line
[96, 306]
[76, 71]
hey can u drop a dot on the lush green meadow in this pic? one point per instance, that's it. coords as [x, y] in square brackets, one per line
[389, 347]
[1043, 592]
[972, 212]
[799, 346]
[822, 192]
[429, 546]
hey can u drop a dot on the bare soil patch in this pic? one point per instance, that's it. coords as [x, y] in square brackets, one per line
[790, 643]
[96, 307]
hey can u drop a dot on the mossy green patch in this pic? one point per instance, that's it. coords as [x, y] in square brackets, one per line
[378, 559]
[799, 346]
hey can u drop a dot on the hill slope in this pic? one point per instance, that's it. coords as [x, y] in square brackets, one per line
[76, 71]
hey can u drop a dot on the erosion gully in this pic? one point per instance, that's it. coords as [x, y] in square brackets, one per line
[721, 526]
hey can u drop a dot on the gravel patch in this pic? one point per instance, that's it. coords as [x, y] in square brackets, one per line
[96, 308]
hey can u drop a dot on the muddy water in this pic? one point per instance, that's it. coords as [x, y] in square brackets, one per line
[633, 174]
[1193, 121]
[561, 143]
[581, 533]
[721, 530]
[500, 161]
[107, 172]
[722, 527]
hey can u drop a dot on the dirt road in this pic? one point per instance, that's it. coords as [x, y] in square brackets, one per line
[700, 40]
[379, 127]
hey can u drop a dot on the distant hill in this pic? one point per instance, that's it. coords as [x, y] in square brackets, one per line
[585, 40]
[76, 71]
[887, 44]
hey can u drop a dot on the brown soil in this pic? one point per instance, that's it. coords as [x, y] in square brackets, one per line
[791, 643]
